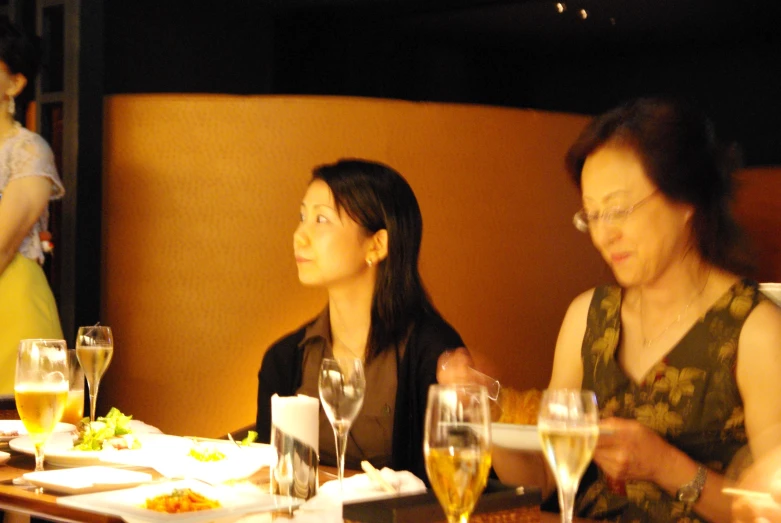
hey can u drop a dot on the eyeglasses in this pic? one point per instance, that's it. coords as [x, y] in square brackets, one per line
[612, 216]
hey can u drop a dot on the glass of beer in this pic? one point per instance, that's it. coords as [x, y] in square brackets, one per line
[94, 348]
[457, 446]
[74, 410]
[568, 424]
[41, 389]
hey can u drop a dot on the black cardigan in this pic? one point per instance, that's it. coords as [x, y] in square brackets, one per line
[281, 372]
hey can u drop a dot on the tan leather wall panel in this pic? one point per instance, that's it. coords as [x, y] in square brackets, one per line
[758, 209]
[201, 197]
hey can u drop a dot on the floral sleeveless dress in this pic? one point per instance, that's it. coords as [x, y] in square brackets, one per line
[691, 398]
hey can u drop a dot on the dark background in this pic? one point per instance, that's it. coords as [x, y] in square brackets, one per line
[724, 55]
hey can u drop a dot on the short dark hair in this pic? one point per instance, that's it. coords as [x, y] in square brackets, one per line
[377, 197]
[20, 52]
[677, 145]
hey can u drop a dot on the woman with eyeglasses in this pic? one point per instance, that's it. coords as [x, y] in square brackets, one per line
[683, 352]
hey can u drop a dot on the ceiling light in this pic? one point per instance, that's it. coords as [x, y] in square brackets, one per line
[583, 14]
[561, 7]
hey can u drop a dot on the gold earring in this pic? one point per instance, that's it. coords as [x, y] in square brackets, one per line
[369, 262]
[11, 106]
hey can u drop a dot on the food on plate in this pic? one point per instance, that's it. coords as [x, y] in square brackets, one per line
[520, 407]
[180, 500]
[250, 439]
[9, 433]
[107, 432]
[203, 452]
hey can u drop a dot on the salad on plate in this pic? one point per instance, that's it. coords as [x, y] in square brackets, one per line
[112, 431]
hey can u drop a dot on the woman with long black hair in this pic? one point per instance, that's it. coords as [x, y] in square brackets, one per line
[359, 237]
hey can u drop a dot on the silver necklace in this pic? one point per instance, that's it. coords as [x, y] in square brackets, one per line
[341, 341]
[648, 342]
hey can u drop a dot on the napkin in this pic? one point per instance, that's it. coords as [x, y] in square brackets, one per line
[360, 487]
[299, 417]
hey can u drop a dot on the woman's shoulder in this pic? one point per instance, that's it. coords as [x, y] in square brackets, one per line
[583, 301]
[763, 320]
[288, 343]
[28, 141]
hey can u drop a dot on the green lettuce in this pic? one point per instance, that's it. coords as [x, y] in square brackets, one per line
[92, 435]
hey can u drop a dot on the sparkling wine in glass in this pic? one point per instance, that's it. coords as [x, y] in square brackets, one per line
[457, 446]
[568, 424]
[342, 385]
[94, 348]
[41, 389]
[74, 409]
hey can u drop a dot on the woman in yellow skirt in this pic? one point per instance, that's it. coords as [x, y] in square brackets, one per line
[28, 180]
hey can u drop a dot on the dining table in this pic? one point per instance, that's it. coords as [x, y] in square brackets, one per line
[42, 503]
[28, 502]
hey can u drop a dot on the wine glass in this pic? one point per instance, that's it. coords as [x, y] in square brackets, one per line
[41, 389]
[74, 410]
[342, 385]
[457, 446]
[568, 424]
[94, 348]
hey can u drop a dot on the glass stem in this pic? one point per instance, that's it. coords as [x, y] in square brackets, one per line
[93, 399]
[340, 433]
[567, 501]
[38, 457]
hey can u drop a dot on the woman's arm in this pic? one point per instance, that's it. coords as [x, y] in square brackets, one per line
[24, 200]
[530, 468]
[280, 373]
[758, 372]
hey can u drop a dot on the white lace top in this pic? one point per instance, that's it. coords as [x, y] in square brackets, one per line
[27, 154]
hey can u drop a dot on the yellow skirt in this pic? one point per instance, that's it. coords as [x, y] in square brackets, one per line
[27, 310]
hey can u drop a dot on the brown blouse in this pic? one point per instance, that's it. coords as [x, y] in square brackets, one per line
[371, 434]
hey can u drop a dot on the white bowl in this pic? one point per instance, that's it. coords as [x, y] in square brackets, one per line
[772, 291]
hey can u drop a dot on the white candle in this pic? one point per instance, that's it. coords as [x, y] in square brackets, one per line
[297, 416]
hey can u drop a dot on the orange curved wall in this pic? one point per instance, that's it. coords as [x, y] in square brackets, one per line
[201, 197]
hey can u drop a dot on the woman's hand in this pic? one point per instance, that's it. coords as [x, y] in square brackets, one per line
[454, 366]
[627, 449]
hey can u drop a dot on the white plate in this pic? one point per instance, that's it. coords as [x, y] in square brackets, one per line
[516, 437]
[59, 449]
[128, 503]
[15, 425]
[4, 456]
[238, 463]
[139, 427]
[521, 437]
[83, 480]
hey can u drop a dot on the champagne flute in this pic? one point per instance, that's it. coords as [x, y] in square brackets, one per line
[342, 385]
[457, 446]
[568, 424]
[41, 389]
[94, 348]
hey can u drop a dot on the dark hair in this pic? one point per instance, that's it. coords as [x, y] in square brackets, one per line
[678, 148]
[20, 53]
[377, 197]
